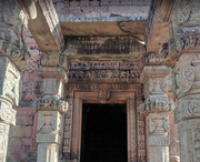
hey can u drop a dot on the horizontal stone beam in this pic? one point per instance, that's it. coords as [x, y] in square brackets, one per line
[157, 28]
[45, 27]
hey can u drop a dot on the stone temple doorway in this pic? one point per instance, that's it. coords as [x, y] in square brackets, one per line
[104, 133]
[134, 120]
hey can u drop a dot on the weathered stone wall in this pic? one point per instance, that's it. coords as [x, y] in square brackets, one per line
[103, 10]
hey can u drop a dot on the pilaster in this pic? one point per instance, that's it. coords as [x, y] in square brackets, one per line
[50, 107]
[156, 108]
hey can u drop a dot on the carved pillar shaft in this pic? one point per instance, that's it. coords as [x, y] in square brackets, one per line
[9, 96]
[48, 138]
[187, 113]
[50, 108]
[158, 140]
[156, 109]
[183, 57]
[4, 132]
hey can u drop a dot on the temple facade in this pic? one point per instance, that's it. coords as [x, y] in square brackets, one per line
[99, 80]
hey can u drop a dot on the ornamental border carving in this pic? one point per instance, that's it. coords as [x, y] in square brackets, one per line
[136, 124]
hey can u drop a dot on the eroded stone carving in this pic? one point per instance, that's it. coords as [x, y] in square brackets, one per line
[50, 105]
[67, 130]
[157, 108]
[12, 47]
[104, 75]
[102, 45]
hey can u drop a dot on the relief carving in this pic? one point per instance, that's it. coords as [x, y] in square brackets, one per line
[184, 74]
[48, 126]
[67, 130]
[9, 77]
[50, 105]
[104, 75]
[158, 122]
[104, 94]
[187, 109]
[12, 47]
[50, 60]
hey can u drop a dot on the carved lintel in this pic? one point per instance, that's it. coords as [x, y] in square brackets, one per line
[103, 94]
[104, 75]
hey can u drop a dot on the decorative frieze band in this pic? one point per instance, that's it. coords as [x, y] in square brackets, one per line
[104, 66]
[104, 75]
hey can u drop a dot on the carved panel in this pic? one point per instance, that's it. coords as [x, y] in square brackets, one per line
[141, 139]
[67, 130]
[102, 45]
[104, 75]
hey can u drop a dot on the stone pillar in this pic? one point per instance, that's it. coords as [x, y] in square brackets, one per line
[184, 59]
[13, 58]
[187, 113]
[50, 108]
[156, 108]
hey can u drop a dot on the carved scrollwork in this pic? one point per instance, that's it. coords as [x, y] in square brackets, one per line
[187, 109]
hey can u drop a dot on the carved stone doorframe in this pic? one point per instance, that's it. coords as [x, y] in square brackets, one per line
[135, 140]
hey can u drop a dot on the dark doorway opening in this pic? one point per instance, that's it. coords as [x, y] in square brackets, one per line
[104, 133]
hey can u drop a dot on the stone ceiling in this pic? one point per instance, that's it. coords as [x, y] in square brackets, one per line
[103, 17]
